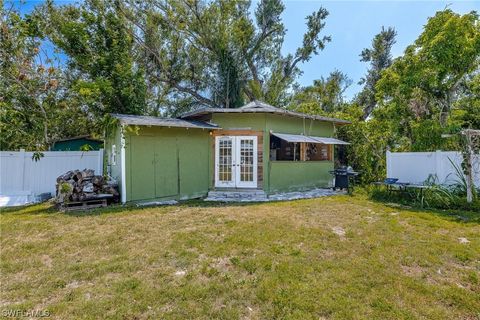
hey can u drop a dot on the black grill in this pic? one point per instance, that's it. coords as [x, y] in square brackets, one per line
[343, 176]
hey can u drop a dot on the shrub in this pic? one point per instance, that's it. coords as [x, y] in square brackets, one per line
[434, 197]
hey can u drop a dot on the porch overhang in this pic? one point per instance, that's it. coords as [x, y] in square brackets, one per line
[298, 138]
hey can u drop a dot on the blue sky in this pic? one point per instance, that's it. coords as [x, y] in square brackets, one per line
[352, 25]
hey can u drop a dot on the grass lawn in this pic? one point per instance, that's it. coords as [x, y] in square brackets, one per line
[340, 257]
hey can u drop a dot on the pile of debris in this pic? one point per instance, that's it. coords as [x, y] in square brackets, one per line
[84, 185]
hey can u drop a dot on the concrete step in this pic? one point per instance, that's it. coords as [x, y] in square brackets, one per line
[236, 195]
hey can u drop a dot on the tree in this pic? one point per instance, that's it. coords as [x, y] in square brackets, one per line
[379, 56]
[369, 141]
[35, 106]
[213, 53]
[324, 96]
[98, 43]
[434, 77]
[465, 113]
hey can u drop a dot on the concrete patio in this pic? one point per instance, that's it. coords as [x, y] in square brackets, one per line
[261, 196]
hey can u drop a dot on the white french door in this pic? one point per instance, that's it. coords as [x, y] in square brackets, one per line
[236, 161]
[224, 165]
[246, 162]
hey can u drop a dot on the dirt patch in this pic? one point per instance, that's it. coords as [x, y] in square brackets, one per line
[73, 285]
[47, 261]
[222, 264]
[370, 219]
[412, 271]
[339, 231]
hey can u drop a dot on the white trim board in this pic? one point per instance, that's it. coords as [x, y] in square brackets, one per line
[123, 165]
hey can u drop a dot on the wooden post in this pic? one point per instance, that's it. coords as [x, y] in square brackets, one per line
[303, 150]
[470, 136]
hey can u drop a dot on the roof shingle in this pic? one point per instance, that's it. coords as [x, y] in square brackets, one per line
[162, 122]
[260, 107]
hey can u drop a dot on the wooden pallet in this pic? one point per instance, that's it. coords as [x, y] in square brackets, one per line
[84, 205]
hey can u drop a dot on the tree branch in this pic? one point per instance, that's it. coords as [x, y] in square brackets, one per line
[170, 82]
[250, 53]
[290, 69]
[194, 94]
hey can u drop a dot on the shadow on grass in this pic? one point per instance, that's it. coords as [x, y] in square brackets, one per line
[460, 216]
[50, 208]
[37, 208]
[196, 203]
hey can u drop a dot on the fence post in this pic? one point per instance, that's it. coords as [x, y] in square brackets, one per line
[389, 167]
[438, 165]
[21, 157]
[100, 162]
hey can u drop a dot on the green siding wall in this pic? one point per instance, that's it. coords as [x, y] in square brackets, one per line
[286, 124]
[167, 163]
[194, 152]
[299, 175]
[231, 121]
[141, 181]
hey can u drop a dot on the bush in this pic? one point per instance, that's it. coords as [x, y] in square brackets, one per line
[434, 197]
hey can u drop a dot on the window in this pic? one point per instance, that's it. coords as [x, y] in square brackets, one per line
[317, 152]
[113, 155]
[282, 150]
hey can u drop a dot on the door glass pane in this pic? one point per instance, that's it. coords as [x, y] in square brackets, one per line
[225, 160]
[246, 160]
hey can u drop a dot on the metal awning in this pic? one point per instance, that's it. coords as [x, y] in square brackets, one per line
[296, 138]
[330, 140]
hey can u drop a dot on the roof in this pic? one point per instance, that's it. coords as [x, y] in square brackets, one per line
[162, 122]
[309, 139]
[260, 107]
[86, 137]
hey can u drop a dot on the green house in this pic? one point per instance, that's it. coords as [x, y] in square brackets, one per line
[256, 148]
[80, 143]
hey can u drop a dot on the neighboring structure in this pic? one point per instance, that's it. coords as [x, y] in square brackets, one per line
[77, 144]
[256, 147]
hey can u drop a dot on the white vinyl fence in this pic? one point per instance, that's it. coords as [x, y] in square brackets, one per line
[22, 179]
[416, 167]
